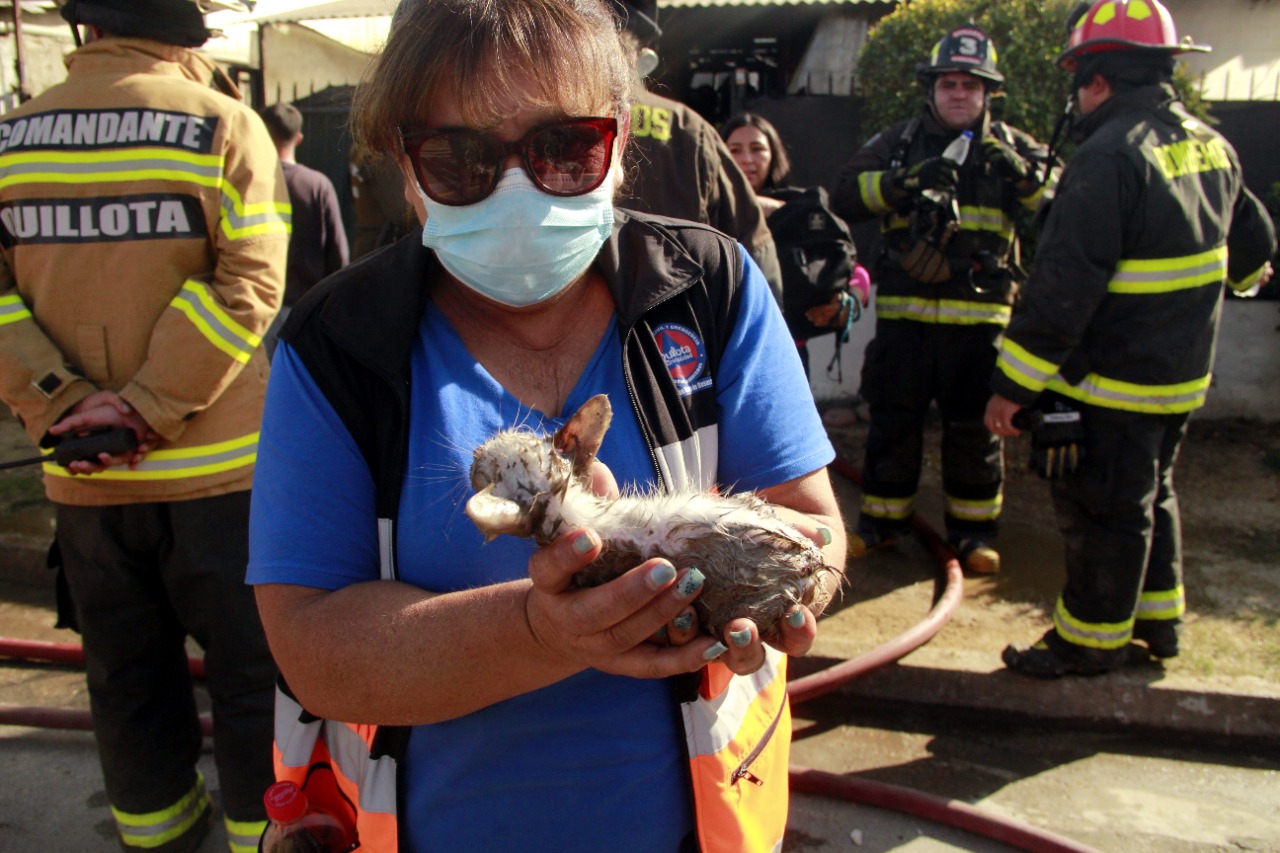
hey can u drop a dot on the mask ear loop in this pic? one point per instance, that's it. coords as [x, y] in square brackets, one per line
[646, 61]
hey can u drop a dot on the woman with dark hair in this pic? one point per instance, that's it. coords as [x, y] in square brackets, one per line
[821, 278]
[758, 150]
[488, 703]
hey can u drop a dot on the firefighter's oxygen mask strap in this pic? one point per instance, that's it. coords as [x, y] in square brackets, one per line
[1061, 132]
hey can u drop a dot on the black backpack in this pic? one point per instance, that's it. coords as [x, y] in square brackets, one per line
[817, 256]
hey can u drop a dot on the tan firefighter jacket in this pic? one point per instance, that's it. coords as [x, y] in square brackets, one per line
[144, 223]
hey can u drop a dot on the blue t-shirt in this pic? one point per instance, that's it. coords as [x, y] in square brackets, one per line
[592, 762]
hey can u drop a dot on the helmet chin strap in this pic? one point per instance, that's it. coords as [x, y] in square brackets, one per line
[75, 28]
[1061, 132]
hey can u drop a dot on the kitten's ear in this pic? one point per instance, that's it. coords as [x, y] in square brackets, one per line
[580, 438]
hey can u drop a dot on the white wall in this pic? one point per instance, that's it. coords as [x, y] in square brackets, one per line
[1246, 373]
[1245, 62]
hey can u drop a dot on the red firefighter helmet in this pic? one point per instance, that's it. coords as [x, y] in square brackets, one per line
[1141, 25]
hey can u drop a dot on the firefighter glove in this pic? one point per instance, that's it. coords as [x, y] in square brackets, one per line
[1057, 435]
[936, 173]
[1011, 165]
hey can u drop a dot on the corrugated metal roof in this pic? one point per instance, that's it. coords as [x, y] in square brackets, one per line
[280, 11]
[272, 13]
[678, 4]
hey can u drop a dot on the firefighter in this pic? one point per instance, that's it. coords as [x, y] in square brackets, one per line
[144, 226]
[947, 276]
[1118, 322]
[683, 168]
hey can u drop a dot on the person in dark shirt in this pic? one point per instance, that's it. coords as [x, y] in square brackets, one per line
[318, 243]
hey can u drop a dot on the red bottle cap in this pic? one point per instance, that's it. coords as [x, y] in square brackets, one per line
[285, 802]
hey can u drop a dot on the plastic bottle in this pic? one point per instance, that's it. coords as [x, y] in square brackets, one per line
[957, 151]
[294, 827]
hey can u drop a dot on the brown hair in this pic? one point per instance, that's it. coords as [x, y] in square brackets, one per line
[482, 51]
[780, 163]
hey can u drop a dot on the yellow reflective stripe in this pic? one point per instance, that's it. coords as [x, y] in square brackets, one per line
[1166, 604]
[223, 332]
[711, 725]
[1162, 275]
[1093, 635]
[1020, 366]
[1249, 281]
[872, 197]
[991, 219]
[13, 309]
[181, 462]
[1032, 202]
[243, 835]
[949, 311]
[987, 510]
[896, 222]
[129, 164]
[240, 220]
[158, 828]
[1131, 397]
[878, 506]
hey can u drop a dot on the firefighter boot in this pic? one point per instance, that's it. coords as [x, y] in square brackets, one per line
[1160, 636]
[975, 555]
[1053, 657]
[869, 537]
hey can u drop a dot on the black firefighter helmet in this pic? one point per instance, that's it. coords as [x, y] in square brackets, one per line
[178, 22]
[967, 50]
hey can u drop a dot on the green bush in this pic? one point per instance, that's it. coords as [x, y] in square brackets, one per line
[1028, 35]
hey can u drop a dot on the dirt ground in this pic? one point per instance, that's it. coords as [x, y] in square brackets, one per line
[1228, 481]
[1109, 789]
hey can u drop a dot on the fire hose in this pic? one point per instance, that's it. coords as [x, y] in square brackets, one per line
[882, 795]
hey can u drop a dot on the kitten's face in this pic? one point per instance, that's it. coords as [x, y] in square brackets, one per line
[515, 474]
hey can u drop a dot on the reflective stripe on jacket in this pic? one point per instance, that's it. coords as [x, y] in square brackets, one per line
[737, 728]
[144, 224]
[1150, 219]
[988, 210]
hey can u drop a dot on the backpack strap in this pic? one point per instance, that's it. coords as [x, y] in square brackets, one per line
[903, 144]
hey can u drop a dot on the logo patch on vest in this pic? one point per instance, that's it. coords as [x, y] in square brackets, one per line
[685, 356]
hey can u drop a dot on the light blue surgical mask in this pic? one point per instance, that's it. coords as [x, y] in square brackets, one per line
[520, 246]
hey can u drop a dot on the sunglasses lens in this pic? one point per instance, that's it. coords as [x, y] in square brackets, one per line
[457, 166]
[571, 158]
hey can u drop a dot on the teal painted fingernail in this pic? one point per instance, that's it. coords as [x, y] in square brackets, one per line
[740, 638]
[683, 622]
[796, 619]
[690, 583]
[715, 651]
[825, 533]
[582, 543]
[661, 633]
[661, 575]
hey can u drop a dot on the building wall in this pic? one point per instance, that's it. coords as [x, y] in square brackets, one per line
[1245, 62]
[43, 50]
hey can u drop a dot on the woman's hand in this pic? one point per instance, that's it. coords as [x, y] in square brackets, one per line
[798, 629]
[610, 627]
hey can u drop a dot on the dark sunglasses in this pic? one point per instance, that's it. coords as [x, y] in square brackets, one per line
[458, 166]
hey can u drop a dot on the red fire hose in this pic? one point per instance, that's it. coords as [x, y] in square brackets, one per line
[63, 718]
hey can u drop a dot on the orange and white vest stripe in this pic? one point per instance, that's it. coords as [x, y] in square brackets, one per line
[737, 731]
